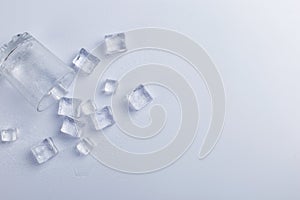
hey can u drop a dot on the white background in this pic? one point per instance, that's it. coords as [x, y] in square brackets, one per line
[255, 45]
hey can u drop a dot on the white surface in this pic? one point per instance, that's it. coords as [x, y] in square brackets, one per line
[255, 45]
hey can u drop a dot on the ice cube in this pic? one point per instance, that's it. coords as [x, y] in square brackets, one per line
[72, 127]
[85, 62]
[58, 91]
[115, 43]
[84, 147]
[110, 86]
[9, 135]
[103, 118]
[44, 151]
[88, 107]
[69, 107]
[139, 98]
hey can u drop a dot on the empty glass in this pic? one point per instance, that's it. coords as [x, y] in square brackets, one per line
[34, 71]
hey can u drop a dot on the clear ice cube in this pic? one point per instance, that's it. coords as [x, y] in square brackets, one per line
[84, 147]
[85, 62]
[69, 107]
[103, 118]
[72, 127]
[139, 98]
[115, 43]
[9, 135]
[88, 107]
[58, 91]
[110, 86]
[44, 151]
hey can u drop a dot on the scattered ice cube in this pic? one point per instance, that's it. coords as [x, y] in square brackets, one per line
[115, 43]
[85, 62]
[58, 91]
[103, 118]
[139, 98]
[110, 86]
[72, 127]
[69, 107]
[84, 147]
[88, 107]
[44, 151]
[9, 135]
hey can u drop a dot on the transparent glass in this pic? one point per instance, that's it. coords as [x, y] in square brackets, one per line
[34, 71]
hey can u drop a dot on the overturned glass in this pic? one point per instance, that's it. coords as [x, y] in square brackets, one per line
[34, 71]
